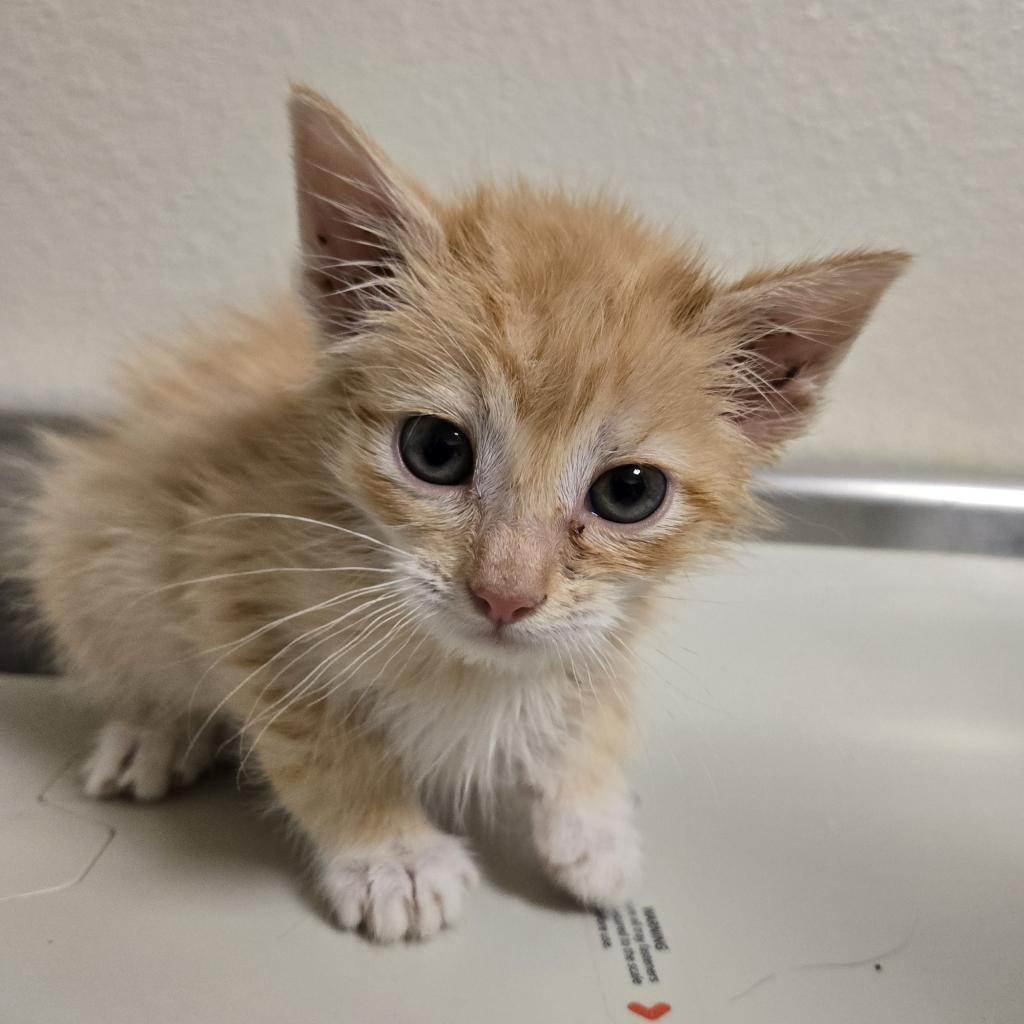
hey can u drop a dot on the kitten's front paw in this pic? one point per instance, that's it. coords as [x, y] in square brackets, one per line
[146, 761]
[590, 850]
[405, 888]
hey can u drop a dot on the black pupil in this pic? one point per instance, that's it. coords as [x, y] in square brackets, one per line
[629, 485]
[442, 444]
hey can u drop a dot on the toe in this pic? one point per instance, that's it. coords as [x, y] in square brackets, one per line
[349, 908]
[345, 891]
[391, 901]
[429, 917]
[101, 772]
[442, 876]
[148, 776]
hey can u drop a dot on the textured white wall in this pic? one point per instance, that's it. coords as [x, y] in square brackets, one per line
[144, 172]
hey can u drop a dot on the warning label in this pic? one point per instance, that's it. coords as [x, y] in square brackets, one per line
[637, 935]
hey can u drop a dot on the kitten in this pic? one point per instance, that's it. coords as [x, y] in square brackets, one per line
[398, 539]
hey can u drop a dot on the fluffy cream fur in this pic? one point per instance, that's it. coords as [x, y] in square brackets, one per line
[240, 547]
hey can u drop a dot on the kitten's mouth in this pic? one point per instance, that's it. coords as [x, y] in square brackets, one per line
[502, 637]
[487, 640]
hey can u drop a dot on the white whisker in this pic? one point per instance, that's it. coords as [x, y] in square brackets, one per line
[259, 572]
[306, 520]
[233, 646]
[311, 680]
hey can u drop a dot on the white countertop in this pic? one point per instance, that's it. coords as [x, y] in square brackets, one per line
[832, 793]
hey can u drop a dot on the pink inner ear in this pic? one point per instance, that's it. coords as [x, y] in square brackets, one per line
[347, 264]
[348, 255]
[779, 376]
[780, 356]
[353, 209]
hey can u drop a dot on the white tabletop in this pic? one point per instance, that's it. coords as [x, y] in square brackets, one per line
[832, 793]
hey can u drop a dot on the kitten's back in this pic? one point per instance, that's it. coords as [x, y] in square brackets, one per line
[227, 369]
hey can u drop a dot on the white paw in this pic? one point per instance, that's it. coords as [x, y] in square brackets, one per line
[406, 888]
[146, 761]
[590, 850]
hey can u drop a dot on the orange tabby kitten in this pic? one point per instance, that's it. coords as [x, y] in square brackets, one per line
[398, 538]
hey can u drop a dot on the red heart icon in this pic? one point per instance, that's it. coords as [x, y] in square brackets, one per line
[650, 1012]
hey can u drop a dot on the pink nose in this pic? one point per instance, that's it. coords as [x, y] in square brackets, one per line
[503, 609]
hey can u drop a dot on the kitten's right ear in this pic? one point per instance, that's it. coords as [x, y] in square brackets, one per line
[358, 216]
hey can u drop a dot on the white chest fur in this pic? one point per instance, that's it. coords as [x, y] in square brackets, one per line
[474, 733]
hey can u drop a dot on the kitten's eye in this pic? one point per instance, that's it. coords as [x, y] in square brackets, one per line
[436, 451]
[628, 494]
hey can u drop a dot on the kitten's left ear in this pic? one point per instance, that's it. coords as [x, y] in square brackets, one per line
[358, 215]
[786, 331]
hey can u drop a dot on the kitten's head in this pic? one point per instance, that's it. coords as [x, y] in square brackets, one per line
[547, 405]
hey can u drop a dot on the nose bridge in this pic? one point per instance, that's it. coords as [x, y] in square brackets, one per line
[517, 545]
[514, 556]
